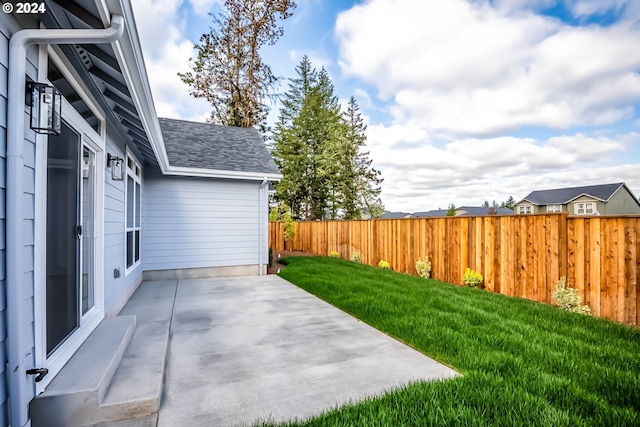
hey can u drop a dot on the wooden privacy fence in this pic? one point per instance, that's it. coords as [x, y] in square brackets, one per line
[518, 255]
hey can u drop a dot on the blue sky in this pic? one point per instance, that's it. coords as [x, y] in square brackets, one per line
[465, 100]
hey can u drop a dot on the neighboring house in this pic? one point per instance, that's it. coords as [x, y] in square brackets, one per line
[117, 197]
[605, 199]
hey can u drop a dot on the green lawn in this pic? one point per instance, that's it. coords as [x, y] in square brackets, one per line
[523, 363]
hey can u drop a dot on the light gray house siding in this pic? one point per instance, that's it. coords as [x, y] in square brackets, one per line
[8, 26]
[622, 202]
[4, 60]
[200, 223]
[117, 290]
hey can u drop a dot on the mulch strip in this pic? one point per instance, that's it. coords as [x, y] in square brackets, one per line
[275, 265]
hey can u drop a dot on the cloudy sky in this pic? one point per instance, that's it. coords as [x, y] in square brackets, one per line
[465, 100]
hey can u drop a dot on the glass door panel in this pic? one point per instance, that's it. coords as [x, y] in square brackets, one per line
[63, 243]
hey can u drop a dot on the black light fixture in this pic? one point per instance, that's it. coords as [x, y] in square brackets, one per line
[116, 163]
[46, 108]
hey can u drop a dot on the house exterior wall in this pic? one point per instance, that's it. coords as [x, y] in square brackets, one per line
[4, 64]
[571, 206]
[622, 202]
[534, 208]
[201, 223]
[117, 290]
[8, 26]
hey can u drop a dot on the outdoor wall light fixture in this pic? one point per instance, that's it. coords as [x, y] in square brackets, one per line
[46, 108]
[115, 163]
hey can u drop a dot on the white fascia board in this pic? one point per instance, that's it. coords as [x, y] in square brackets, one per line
[528, 201]
[584, 195]
[217, 173]
[128, 53]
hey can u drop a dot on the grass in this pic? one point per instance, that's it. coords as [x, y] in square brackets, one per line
[523, 363]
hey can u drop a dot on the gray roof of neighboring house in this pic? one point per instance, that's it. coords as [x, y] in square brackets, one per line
[394, 215]
[207, 146]
[482, 210]
[429, 214]
[565, 195]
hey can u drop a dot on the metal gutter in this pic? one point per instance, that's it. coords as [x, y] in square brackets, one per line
[17, 290]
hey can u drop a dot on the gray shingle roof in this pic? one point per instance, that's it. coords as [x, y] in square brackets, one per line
[394, 215]
[207, 146]
[564, 195]
[429, 214]
[481, 210]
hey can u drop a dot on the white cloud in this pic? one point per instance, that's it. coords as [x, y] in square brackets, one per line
[204, 6]
[468, 171]
[581, 8]
[167, 52]
[469, 68]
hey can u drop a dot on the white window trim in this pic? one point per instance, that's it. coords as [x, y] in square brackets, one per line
[528, 209]
[585, 207]
[137, 178]
[554, 208]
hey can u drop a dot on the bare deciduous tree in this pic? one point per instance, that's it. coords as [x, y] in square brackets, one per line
[229, 71]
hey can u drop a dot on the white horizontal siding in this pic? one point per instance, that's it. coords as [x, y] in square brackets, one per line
[4, 60]
[114, 235]
[198, 223]
[8, 26]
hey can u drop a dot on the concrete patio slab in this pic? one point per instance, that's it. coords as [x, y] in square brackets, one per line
[250, 348]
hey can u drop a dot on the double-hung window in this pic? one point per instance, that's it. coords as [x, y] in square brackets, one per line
[588, 208]
[525, 209]
[554, 208]
[132, 217]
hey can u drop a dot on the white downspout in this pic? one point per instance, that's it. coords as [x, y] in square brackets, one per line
[17, 290]
[262, 218]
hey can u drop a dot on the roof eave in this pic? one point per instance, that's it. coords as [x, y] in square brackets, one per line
[218, 173]
[128, 52]
[528, 201]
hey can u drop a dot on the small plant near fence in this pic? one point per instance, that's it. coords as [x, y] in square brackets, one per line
[568, 298]
[423, 267]
[334, 254]
[289, 229]
[472, 278]
[384, 265]
[356, 256]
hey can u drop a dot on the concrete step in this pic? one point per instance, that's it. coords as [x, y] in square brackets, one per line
[136, 388]
[72, 398]
[148, 421]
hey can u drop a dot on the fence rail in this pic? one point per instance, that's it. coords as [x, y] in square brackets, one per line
[518, 255]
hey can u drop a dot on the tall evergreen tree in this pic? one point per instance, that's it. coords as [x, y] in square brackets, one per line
[362, 184]
[509, 203]
[291, 149]
[318, 149]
